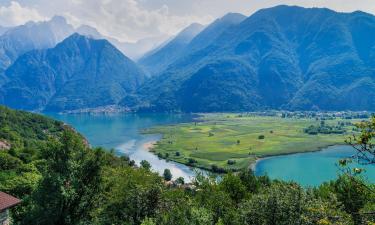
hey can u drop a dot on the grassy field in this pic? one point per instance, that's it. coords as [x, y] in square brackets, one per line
[217, 138]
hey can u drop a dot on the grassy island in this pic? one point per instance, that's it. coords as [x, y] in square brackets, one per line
[233, 141]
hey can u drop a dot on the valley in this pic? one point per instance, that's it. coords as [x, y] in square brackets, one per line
[187, 112]
[223, 142]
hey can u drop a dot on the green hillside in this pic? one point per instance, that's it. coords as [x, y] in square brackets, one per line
[62, 181]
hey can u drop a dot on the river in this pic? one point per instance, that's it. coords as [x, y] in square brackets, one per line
[122, 132]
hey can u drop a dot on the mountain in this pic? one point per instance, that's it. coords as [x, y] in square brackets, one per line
[90, 32]
[133, 50]
[212, 31]
[285, 57]
[156, 61]
[4, 29]
[78, 73]
[21, 39]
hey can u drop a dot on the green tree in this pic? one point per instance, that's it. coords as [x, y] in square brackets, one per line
[68, 191]
[167, 175]
[284, 204]
[364, 143]
[146, 165]
[353, 193]
[232, 185]
[129, 196]
[180, 180]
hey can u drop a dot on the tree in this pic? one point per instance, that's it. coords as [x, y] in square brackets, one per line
[232, 185]
[180, 180]
[68, 191]
[146, 165]
[167, 175]
[364, 142]
[353, 193]
[284, 204]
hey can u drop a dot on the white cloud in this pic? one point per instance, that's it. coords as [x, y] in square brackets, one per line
[128, 20]
[15, 14]
[131, 20]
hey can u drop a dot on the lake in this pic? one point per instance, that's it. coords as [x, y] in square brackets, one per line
[309, 169]
[122, 132]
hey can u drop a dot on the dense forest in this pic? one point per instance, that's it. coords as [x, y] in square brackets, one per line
[62, 180]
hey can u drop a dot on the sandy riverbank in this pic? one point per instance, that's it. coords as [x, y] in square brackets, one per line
[149, 145]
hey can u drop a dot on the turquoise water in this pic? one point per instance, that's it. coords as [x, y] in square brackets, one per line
[309, 169]
[122, 132]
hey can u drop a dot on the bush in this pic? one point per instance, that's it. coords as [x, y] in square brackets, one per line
[261, 137]
[191, 161]
[8, 162]
[178, 154]
[167, 175]
[145, 164]
[231, 162]
[180, 180]
[217, 169]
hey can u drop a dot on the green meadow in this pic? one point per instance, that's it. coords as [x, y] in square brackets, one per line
[231, 141]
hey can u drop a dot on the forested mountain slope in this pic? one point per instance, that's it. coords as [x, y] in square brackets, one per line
[282, 57]
[78, 73]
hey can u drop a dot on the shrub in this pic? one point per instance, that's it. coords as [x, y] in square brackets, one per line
[145, 164]
[261, 137]
[192, 161]
[167, 175]
[180, 180]
[231, 162]
[217, 169]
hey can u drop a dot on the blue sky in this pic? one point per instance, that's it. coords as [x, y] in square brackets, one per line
[131, 20]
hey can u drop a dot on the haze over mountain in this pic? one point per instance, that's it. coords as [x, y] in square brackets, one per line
[78, 73]
[132, 50]
[33, 35]
[281, 57]
[4, 29]
[157, 60]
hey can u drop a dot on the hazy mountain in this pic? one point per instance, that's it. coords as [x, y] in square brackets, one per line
[281, 57]
[157, 61]
[78, 73]
[4, 29]
[132, 50]
[89, 31]
[21, 39]
[215, 29]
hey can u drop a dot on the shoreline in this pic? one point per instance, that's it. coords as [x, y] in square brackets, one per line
[253, 165]
[149, 145]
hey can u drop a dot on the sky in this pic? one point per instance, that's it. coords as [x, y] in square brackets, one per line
[132, 20]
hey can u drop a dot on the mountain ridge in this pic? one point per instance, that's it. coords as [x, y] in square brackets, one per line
[292, 58]
[78, 73]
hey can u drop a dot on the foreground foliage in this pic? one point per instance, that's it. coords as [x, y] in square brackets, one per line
[66, 182]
